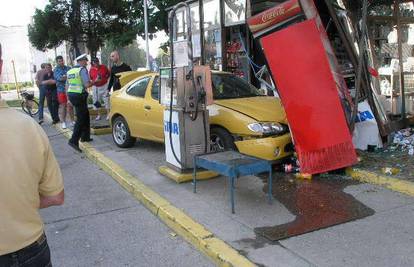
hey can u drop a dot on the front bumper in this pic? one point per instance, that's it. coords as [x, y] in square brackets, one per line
[268, 148]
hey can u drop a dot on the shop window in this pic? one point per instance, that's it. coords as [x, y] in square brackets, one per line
[211, 14]
[407, 10]
[212, 34]
[381, 10]
[234, 12]
[407, 45]
[236, 56]
[384, 37]
[181, 31]
[195, 30]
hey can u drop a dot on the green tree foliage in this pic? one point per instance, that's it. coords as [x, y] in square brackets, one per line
[131, 54]
[88, 22]
[159, 15]
[95, 22]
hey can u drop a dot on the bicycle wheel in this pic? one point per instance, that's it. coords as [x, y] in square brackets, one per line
[31, 107]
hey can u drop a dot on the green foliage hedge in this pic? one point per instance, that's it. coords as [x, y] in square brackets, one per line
[12, 86]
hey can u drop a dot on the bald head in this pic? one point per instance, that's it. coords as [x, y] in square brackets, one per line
[115, 57]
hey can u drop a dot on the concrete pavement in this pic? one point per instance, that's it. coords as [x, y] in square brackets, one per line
[382, 239]
[102, 225]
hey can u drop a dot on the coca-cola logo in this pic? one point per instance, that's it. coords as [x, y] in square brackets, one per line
[273, 14]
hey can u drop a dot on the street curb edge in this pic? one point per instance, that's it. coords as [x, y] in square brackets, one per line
[195, 233]
[393, 184]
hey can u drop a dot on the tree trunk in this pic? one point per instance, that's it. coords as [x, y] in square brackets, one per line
[75, 25]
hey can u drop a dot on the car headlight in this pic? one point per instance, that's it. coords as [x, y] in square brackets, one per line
[266, 127]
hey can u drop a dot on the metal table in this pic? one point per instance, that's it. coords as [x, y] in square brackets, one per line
[233, 165]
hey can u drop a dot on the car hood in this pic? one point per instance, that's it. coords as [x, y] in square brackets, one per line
[260, 108]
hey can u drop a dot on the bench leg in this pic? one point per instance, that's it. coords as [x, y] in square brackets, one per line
[270, 182]
[194, 176]
[232, 178]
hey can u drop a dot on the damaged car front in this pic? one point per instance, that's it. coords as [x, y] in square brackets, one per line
[243, 118]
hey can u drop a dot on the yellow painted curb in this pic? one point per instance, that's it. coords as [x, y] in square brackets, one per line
[185, 177]
[393, 184]
[214, 248]
[101, 131]
[94, 112]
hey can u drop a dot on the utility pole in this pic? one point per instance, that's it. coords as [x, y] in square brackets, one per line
[15, 80]
[146, 33]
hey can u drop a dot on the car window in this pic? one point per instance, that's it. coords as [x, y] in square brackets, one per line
[227, 86]
[155, 88]
[139, 87]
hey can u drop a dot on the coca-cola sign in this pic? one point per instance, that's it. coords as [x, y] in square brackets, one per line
[274, 15]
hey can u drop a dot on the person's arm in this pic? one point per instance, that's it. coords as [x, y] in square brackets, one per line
[85, 78]
[37, 79]
[111, 80]
[127, 67]
[49, 82]
[48, 79]
[51, 192]
[57, 200]
[107, 72]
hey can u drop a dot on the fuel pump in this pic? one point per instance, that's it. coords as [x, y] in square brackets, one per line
[185, 93]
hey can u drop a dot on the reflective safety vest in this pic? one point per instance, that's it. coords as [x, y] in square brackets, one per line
[75, 80]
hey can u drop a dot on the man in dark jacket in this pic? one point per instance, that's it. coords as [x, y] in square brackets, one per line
[117, 67]
[49, 84]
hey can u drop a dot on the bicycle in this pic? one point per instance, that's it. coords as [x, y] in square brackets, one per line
[29, 104]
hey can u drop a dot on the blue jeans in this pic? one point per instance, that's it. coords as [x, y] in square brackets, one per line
[35, 255]
[52, 103]
[42, 96]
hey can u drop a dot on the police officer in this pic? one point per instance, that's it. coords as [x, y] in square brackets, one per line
[77, 83]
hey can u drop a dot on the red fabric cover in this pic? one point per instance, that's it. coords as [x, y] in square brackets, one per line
[103, 70]
[300, 67]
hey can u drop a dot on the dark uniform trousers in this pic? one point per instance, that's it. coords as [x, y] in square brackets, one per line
[82, 129]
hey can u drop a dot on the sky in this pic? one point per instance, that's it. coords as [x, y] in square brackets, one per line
[19, 12]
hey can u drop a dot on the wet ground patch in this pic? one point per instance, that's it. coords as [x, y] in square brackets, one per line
[318, 203]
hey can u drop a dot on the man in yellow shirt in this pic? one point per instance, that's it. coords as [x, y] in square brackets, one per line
[30, 179]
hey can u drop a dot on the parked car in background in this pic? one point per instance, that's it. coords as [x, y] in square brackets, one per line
[241, 118]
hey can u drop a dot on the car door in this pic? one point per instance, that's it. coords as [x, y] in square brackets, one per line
[135, 115]
[154, 111]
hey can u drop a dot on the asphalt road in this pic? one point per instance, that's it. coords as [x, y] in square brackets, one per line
[100, 224]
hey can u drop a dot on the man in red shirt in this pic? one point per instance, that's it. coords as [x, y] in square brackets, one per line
[99, 75]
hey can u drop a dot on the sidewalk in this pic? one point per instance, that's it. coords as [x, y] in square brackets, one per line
[102, 225]
[381, 238]
[12, 94]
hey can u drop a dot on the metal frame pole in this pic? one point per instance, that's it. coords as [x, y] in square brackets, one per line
[15, 80]
[146, 34]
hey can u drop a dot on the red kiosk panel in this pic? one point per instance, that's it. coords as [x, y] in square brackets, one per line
[299, 65]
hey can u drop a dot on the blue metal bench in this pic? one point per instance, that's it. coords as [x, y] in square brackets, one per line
[233, 165]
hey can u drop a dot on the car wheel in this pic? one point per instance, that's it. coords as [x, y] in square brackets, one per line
[121, 134]
[221, 140]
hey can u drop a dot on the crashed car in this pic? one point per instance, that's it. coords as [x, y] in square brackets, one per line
[241, 118]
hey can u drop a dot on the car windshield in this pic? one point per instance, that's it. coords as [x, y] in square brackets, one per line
[227, 86]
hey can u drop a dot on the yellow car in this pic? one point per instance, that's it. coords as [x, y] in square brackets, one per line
[241, 117]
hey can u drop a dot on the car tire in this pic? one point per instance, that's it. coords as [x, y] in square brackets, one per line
[221, 140]
[121, 134]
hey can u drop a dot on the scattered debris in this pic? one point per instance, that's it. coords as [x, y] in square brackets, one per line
[403, 140]
[173, 234]
[305, 176]
[390, 171]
